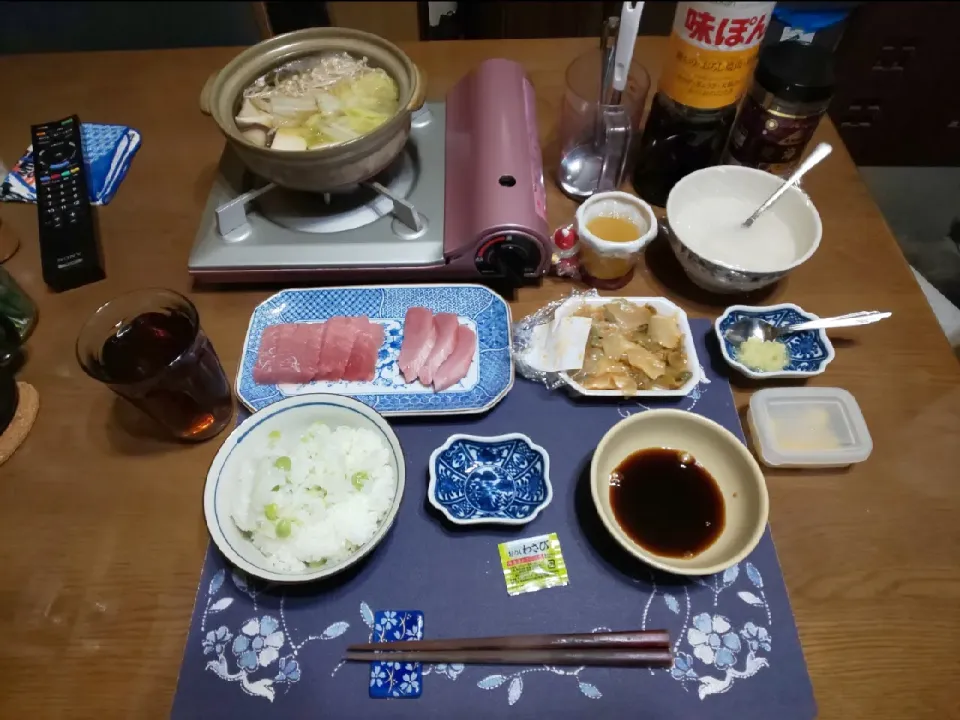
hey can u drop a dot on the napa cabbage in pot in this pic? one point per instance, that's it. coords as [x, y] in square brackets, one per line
[316, 102]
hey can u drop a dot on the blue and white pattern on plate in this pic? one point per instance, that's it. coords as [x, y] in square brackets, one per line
[488, 380]
[502, 479]
[809, 351]
[394, 679]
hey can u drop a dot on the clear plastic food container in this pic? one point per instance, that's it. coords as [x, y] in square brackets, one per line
[808, 427]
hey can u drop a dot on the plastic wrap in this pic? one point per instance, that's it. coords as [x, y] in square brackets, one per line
[523, 333]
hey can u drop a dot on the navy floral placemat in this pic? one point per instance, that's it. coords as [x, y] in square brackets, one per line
[261, 651]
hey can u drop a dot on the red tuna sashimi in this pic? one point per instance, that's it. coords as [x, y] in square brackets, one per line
[309, 342]
[337, 346]
[362, 365]
[419, 335]
[455, 367]
[281, 357]
[446, 325]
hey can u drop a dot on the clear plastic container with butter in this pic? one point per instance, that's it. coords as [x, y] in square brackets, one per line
[808, 427]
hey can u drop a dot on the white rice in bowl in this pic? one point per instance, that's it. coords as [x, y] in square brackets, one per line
[310, 500]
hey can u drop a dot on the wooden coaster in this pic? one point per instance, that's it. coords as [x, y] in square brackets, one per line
[9, 243]
[19, 428]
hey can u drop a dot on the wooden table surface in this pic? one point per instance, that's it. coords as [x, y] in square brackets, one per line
[102, 531]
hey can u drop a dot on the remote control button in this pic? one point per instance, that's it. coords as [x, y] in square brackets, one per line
[60, 152]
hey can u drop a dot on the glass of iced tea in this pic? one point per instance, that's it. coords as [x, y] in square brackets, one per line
[148, 347]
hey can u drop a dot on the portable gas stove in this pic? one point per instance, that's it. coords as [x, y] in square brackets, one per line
[465, 200]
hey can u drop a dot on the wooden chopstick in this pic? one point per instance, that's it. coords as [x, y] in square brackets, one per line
[636, 639]
[652, 657]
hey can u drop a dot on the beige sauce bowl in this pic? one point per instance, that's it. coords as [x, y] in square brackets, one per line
[738, 475]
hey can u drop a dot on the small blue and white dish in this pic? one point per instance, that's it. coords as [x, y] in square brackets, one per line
[501, 479]
[809, 351]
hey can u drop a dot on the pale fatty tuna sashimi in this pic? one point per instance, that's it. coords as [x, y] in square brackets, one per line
[337, 345]
[362, 365]
[445, 326]
[456, 366]
[419, 336]
[286, 354]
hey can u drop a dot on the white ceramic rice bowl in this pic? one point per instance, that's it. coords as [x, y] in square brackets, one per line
[289, 415]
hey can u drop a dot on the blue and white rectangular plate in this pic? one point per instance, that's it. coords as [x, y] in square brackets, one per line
[490, 376]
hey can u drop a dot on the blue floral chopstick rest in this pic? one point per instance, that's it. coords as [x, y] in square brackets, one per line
[394, 679]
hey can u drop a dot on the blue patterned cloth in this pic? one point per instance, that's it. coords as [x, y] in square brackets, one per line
[108, 151]
[394, 679]
[736, 650]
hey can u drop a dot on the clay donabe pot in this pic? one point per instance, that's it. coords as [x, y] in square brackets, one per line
[325, 168]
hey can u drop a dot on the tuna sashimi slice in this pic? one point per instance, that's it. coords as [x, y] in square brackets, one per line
[309, 340]
[455, 367]
[362, 365]
[280, 358]
[419, 335]
[337, 346]
[264, 370]
[446, 325]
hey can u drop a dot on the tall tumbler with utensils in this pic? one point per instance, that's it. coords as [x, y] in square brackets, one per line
[596, 137]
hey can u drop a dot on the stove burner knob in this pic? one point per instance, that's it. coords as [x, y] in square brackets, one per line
[510, 259]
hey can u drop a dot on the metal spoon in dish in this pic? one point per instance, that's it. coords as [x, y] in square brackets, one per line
[744, 329]
[818, 154]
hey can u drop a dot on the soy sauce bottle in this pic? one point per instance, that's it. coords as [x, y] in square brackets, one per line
[711, 54]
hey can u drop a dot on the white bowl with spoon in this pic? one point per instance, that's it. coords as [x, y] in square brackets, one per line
[705, 214]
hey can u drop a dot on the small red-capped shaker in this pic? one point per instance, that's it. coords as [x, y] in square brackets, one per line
[566, 256]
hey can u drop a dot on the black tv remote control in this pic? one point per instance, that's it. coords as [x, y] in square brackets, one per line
[69, 251]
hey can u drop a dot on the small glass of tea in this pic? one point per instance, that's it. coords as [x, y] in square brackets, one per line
[614, 228]
[148, 347]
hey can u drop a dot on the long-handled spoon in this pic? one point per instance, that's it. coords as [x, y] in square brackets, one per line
[747, 328]
[818, 154]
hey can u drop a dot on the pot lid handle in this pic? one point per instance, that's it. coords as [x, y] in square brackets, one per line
[419, 93]
[206, 92]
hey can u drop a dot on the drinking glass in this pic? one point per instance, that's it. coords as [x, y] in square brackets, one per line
[595, 138]
[148, 347]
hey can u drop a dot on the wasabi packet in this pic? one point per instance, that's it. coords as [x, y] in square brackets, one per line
[532, 564]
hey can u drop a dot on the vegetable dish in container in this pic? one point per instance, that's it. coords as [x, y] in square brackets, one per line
[632, 347]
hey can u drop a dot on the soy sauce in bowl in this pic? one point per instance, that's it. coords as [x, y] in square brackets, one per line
[667, 502]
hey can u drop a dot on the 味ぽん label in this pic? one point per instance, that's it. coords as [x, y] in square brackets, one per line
[712, 50]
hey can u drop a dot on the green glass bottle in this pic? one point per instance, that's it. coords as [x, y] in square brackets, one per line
[18, 315]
